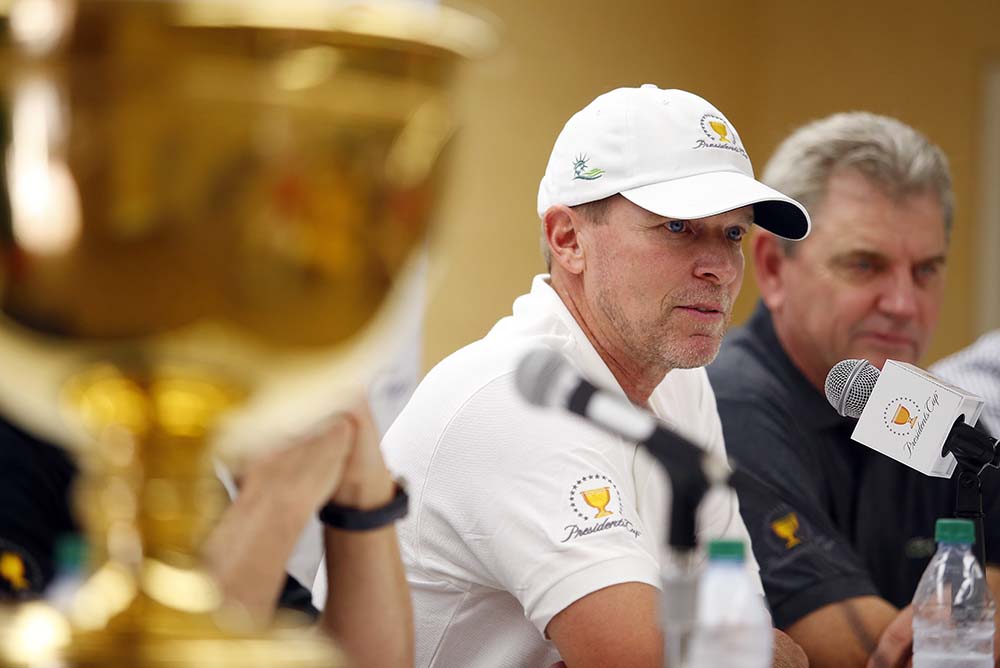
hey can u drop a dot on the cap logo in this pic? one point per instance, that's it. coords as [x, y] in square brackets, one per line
[580, 170]
[719, 128]
[720, 135]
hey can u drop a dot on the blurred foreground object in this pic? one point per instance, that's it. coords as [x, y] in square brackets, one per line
[207, 210]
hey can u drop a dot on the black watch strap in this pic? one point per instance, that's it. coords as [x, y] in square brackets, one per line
[355, 519]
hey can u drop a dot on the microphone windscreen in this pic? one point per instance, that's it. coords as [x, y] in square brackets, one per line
[536, 375]
[848, 386]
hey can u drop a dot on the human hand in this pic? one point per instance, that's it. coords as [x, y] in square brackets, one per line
[787, 653]
[306, 473]
[895, 646]
[366, 482]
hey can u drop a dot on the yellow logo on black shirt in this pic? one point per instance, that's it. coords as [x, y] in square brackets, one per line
[13, 571]
[785, 529]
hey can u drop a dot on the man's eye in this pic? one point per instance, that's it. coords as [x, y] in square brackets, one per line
[676, 226]
[859, 265]
[926, 272]
[736, 233]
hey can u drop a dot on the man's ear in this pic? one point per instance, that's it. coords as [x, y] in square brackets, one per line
[562, 233]
[769, 259]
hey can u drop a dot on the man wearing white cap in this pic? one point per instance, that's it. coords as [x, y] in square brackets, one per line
[534, 537]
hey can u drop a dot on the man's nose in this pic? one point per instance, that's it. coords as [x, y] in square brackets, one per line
[899, 297]
[720, 265]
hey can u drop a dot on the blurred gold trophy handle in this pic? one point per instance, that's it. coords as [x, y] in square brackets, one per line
[206, 210]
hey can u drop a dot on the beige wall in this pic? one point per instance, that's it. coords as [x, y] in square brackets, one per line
[769, 65]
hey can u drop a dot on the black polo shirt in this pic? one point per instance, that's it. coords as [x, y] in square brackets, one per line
[849, 521]
[36, 480]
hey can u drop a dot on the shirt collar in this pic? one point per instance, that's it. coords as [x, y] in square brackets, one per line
[812, 406]
[578, 349]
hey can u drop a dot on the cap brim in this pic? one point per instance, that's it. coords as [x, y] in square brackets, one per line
[713, 193]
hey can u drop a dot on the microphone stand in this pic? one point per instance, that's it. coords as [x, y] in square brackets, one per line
[678, 602]
[679, 598]
[969, 505]
[974, 450]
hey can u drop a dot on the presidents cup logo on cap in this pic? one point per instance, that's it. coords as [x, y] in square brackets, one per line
[719, 135]
[716, 128]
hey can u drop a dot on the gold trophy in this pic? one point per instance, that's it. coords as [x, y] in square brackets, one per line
[207, 214]
[598, 499]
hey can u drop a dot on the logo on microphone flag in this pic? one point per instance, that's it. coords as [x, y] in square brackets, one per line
[900, 416]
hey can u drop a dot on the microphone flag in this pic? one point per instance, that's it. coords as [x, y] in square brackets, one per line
[910, 414]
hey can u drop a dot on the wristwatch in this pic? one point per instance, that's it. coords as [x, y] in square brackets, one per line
[356, 519]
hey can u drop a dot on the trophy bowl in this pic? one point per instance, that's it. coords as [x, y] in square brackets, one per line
[208, 212]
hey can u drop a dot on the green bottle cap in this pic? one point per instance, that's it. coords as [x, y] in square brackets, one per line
[728, 550]
[950, 530]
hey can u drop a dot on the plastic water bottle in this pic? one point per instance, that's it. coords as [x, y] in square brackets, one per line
[953, 608]
[678, 605]
[733, 627]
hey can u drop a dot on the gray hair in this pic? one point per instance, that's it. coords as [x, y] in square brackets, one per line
[890, 153]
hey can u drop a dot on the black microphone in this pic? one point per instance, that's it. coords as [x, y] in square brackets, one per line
[544, 378]
[849, 385]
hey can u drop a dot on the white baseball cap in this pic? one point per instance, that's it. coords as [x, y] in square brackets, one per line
[668, 151]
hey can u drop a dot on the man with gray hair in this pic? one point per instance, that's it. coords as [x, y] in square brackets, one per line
[842, 552]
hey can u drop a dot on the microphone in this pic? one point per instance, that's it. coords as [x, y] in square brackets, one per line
[545, 378]
[912, 416]
[848, 386]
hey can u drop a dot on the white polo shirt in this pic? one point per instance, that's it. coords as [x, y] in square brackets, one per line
[516, 512]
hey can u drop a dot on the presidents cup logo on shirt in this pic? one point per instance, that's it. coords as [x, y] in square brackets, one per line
[906, 418]
[786, 528]
[719, 134]
[596, 503]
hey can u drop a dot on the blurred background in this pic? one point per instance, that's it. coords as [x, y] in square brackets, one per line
[770, 66]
